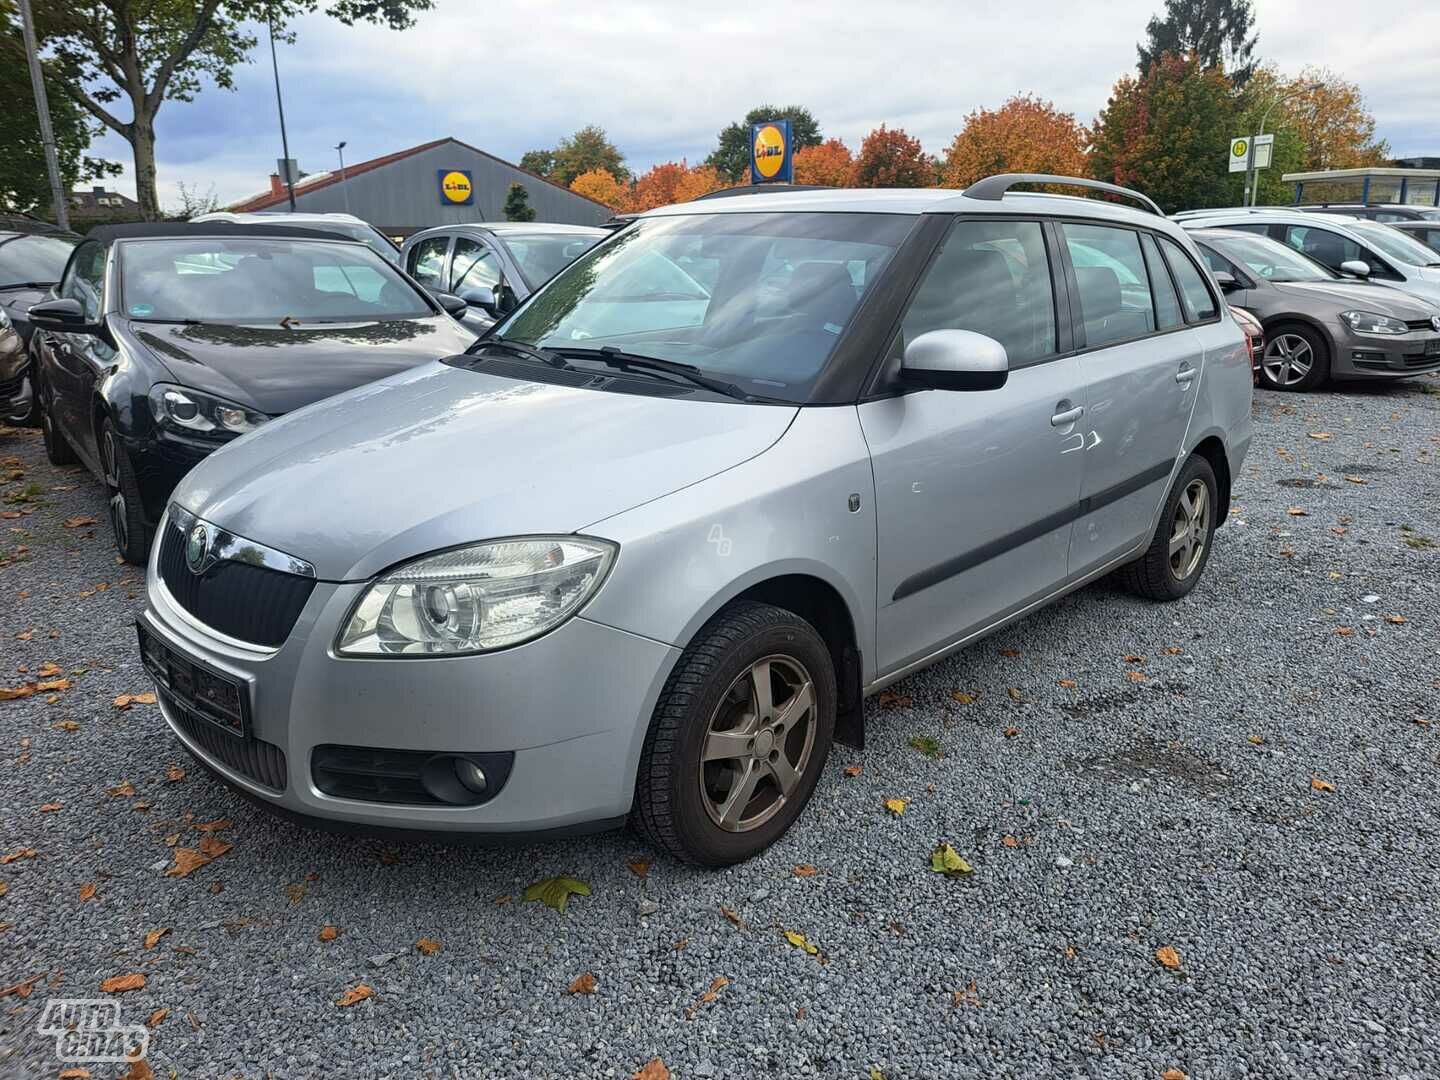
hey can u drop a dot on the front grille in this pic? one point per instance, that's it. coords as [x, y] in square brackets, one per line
[1419, 324]
[250, 603]
[413, 777]
[1422, 360]
[255, 759]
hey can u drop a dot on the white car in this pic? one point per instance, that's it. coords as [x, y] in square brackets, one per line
[347, 225]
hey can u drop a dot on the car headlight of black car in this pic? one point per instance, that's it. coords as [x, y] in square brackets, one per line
[180, 408]
[1368, 322]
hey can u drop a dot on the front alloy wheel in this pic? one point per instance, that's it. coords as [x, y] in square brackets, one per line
[1295, 358]
[126, 509]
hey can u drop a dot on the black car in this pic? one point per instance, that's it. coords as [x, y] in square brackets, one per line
[32, 257]
[167, 341]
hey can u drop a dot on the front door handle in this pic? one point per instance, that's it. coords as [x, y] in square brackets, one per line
[1185, 375]
[1069, 416]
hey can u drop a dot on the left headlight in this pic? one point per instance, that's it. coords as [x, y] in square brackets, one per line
[1368, 322]
[181, 408]
[476, 598]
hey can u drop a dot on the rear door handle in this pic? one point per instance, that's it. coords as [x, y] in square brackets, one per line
[1069, 416]
[1185, 375]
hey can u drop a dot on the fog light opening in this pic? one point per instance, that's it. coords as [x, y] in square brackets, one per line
[454, 779]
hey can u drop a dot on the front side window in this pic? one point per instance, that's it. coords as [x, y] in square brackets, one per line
[249, 280]
[1115, 300]
[1199, 301]
[85, 279]
[473, 266]
[1324, 246]
[782, 290]
[426, 262]
[992, 277]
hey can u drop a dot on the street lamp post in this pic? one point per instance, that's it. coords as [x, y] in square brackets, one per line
[340, 149]
[280, 106]
[1252, 174]
[42, 110]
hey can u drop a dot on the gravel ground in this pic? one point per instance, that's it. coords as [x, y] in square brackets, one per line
[1248, 777]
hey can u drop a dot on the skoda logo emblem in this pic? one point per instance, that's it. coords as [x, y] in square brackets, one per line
[197, 548]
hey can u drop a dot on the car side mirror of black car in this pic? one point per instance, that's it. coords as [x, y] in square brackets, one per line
[66, 315]
[483, 297]
[955, 360]
[1355, 267]
[1226, 281]
[454, 305]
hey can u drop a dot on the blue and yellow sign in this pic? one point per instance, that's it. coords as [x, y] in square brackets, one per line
[772, 157]
[456, 188]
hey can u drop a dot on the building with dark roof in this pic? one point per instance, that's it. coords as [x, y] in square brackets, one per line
[444, 182]
[97, 204]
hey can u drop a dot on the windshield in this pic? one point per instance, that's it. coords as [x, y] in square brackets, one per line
[755, 299]
[254, 280]
[1271, 259]
[368, 235]
[33, 258]
[1394, 244]
[541, 256]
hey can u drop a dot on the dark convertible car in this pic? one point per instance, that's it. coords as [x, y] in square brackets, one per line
[32, 256]
[164, 342]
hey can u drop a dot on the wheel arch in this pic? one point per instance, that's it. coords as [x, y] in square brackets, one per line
[1299, 318]
[1212, 449]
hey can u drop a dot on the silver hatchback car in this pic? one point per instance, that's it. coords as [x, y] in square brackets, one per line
[645, 549]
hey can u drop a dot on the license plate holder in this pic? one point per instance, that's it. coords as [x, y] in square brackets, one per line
[195, 687]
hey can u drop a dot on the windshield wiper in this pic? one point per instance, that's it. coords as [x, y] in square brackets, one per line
[27, 285]
[545, 356]
[618, 358]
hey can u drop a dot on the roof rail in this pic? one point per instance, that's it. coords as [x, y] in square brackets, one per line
[993, 188]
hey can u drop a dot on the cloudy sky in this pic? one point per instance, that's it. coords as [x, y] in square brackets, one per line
[662, 78]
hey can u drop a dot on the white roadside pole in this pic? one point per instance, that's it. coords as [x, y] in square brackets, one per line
[42, 109]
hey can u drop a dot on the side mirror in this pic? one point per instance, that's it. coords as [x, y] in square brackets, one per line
[1356, 267]
[454, 306]
[483, 297]
[1226, 281]
[66, 315]
[955, 360]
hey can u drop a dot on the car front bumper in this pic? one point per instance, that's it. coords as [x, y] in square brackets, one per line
[572, 706]
[1371, 356]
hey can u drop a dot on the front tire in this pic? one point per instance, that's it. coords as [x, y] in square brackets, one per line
[739, 737]
[1180, 548]
[57, 450]
[1296, 357]
[127, 511]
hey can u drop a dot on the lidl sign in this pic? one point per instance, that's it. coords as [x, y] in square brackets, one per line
[772, 157]
[456, 188]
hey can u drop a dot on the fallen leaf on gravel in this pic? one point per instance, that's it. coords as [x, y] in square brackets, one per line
[640, 867]
[946, 860]
[890, 699]
[51, 807]
[153, 937]
[77, 522]
[1321, 435]
[139, 1070]
[875, 1073]
[1010, 732]
[555, 892]
[48, 670]
[1321, 785]
[76, 1073]
[927, 745]
[1167, 956]
[214, 847]
[1357, 480]
[501, 901]
[172, 839]
[585, 984]
[120, 984]
[13, 693]
[66, 725]
[1396, 620]
[173, 774]
[852, 771]
[218, 825]
[712, 994]
[156, 1018]
[969, 996]
[1133, 659]
[1173, 650]
[1069, 684]
[896, 806]
[1173, 1074]
[1010, 652]
[355, 995]
[23, 853]
[124, 701]
[1071, 952]
[1014, 693]
[1344, 631]
[296, 893]
[124, 788]
[800, 941]
[188, 860]
[1298, 511]
[732, 916]
[1255, 740]
[52, 685]
[87, 891]
[427, 946]
[654, 1069]
[328, 933]
[1137, 676]
[962, 697]
[22, 989]
[1009, 841]
[805, 870]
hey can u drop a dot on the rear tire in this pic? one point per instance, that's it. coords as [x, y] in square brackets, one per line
[1180, 548]
[1296, 357]
[127, 510]
[57, 450]
[739, 737]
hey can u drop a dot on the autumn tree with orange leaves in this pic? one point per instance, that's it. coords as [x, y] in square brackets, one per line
[1024, 135]
[829, 164]
[889, 157]
[601, 185]
[672, 182]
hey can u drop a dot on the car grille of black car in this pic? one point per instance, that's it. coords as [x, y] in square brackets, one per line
[256, 759]
[249, 603]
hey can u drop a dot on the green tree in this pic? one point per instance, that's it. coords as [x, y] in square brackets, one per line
[731, 158]
[1219, 32]
[24, 179]
[1166, 133]
[539, 162]
[589, 148]
[149, 52]
[517, 204]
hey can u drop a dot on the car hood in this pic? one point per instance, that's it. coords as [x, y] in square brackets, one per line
[276, 370]
[440, 456]
[1360, 296]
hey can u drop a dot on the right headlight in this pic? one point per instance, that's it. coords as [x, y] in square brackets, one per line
[1368, 322]
[181, 408]
[476, 598]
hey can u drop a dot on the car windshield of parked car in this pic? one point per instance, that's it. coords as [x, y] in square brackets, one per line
[1394, 244]
[1271, 259]
[39, 260]
[541, 256]
[368, 235]
[752, 298]
[254, 280]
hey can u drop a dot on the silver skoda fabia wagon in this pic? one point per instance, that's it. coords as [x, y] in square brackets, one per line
[645, 549]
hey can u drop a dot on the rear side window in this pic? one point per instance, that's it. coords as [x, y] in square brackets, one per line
[992, 277]
[1167, 304]
[1198, 299]
[1325, 247]
[426, 261]
[1115, 300]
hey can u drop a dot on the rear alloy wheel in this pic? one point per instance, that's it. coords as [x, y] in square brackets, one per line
[1180, 548]
[1295, 358]
[739, 737]
[127, 513]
